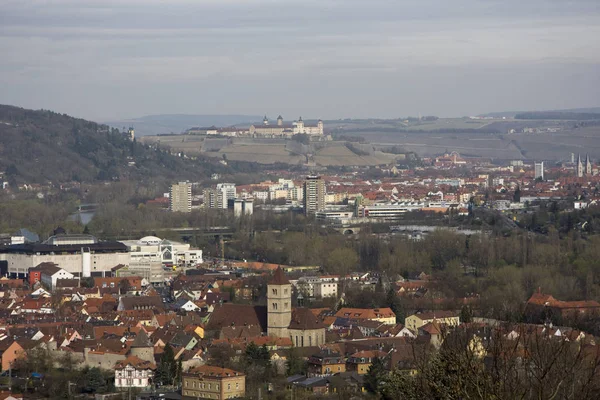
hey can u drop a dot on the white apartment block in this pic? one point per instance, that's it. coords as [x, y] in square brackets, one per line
[317, 287]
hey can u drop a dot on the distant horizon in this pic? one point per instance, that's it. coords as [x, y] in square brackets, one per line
[109, 120]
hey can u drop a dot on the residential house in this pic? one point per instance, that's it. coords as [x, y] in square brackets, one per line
[184, 304]
[213, 382]
[51, 274]
[12, 350]
[35, 273]
[385, 315]
[134, 372]
[361, 361]
[325, 363]
[541, 306]
[127, 303]
[416, 321]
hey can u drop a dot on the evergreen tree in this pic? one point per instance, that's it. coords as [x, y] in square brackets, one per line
[167, 369]
[295, 364]
[93, 380]
[394, 302]
[466, 315]
[375, 375]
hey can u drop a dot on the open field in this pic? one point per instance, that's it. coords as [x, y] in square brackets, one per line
[501, 145]
[270, 151]
[442, 123]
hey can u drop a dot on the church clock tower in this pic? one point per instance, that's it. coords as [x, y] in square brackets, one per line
[279, 305]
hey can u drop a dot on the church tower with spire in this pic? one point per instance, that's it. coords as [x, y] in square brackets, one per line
[588, 165]
[279, 305]
[579, 166]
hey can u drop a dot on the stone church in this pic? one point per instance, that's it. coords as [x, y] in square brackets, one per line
[299, 324]
[277, 319]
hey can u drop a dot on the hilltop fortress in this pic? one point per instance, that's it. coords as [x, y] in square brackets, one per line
[266, 129]
[286, 130]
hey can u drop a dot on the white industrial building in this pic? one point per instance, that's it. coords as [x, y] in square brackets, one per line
[154, 249]
[80, 255]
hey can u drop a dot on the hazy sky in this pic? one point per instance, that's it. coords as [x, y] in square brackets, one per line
[109, 59]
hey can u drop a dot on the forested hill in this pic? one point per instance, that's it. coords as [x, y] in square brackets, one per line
[41, 146]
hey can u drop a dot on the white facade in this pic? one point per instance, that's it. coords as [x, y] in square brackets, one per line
[20, 263]
[539, 170]
[151, 249]
[225, 192]
[129, 377]
[189, 306]
[338, 216]
[261, 195]
[301, 128]
[243, 206]
[326, 289]
[49, 280]
[316, 287]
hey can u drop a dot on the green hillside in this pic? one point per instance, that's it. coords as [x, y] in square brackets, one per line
[43, 146]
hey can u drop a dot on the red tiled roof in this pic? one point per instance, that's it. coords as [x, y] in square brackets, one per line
[207, 371]
[136, 363]
[279, 278]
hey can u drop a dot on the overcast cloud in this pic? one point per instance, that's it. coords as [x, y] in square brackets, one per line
[109, 59]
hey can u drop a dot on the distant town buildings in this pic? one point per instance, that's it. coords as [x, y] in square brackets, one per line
[314, 194]
[181, 197]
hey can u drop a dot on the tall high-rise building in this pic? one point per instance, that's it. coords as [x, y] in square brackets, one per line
[210, 198]
[314, 194]
[225, 192]
[181, 197]
[219, 197]
[539, 170]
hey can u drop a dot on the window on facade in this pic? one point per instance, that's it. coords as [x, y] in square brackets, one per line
[285, 306]
[310, 341]
[274, 306]
[285, 291]
[229, 386]
[274, 291]
[209, 386]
